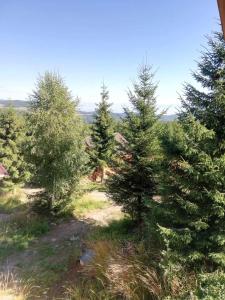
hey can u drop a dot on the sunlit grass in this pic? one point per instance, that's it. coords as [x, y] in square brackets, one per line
[87, 185]
[12, 201]
[88, 203]
[116, 230]
[12, 288]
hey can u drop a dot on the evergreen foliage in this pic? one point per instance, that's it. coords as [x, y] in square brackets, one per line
[211, 286]
[208, 103]
[193, 207]
[134, 184]
[57, 147]
[12, 137]
[102, 134]
[192, 215]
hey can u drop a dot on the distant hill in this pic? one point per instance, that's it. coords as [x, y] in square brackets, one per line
[88, 116]
[18, 104]
[169, 118]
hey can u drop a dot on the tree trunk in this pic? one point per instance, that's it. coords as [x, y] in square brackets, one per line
[139, 212]
[102, 174]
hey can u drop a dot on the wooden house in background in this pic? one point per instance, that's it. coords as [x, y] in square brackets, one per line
[3, 172]
[100, 173]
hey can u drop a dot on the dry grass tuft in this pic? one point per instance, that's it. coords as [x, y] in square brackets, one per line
[180, 284]
[122, 274]
[13, 200]
[12, 288]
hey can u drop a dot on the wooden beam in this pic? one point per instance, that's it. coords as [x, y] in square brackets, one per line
[221, 5]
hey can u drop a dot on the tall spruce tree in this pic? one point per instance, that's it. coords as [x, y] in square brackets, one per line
[12, 137]
[208, 103]
[192, 214]
[102, 134]
[57, 141]
[193, 206]
[134, 184]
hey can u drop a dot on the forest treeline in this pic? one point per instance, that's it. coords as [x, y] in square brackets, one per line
[168, 177]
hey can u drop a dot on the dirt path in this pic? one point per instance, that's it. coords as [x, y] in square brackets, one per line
[4, 217]
[98, 195]
[71, 230]
[30, 191]
[59, 233]
[105, 215]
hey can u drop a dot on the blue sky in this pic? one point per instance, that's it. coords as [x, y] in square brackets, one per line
[87, 41]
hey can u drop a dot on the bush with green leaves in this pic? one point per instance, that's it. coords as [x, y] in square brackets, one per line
[211, 286]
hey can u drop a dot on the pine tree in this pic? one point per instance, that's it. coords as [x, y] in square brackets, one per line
[208, 104]
[12, 137]
[134, 184]
[102, 134]
[193, 206]
[192, 212]
[57, 141]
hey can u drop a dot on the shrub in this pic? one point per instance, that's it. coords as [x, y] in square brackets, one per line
[211, 286]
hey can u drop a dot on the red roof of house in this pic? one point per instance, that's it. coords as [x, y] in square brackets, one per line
[119, 138]
[3, 171]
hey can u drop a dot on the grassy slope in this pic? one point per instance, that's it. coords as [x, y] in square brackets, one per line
[48, 261]
[122, 268]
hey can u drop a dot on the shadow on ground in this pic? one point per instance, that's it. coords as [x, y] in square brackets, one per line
[51, 262]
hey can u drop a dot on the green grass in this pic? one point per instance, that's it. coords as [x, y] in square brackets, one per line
[16, 234]
[8, 205]
[49, 265]
[118, 230]
[96, 186]
[89, 186]
[12, 201]
[46, 251]
[88, 203]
